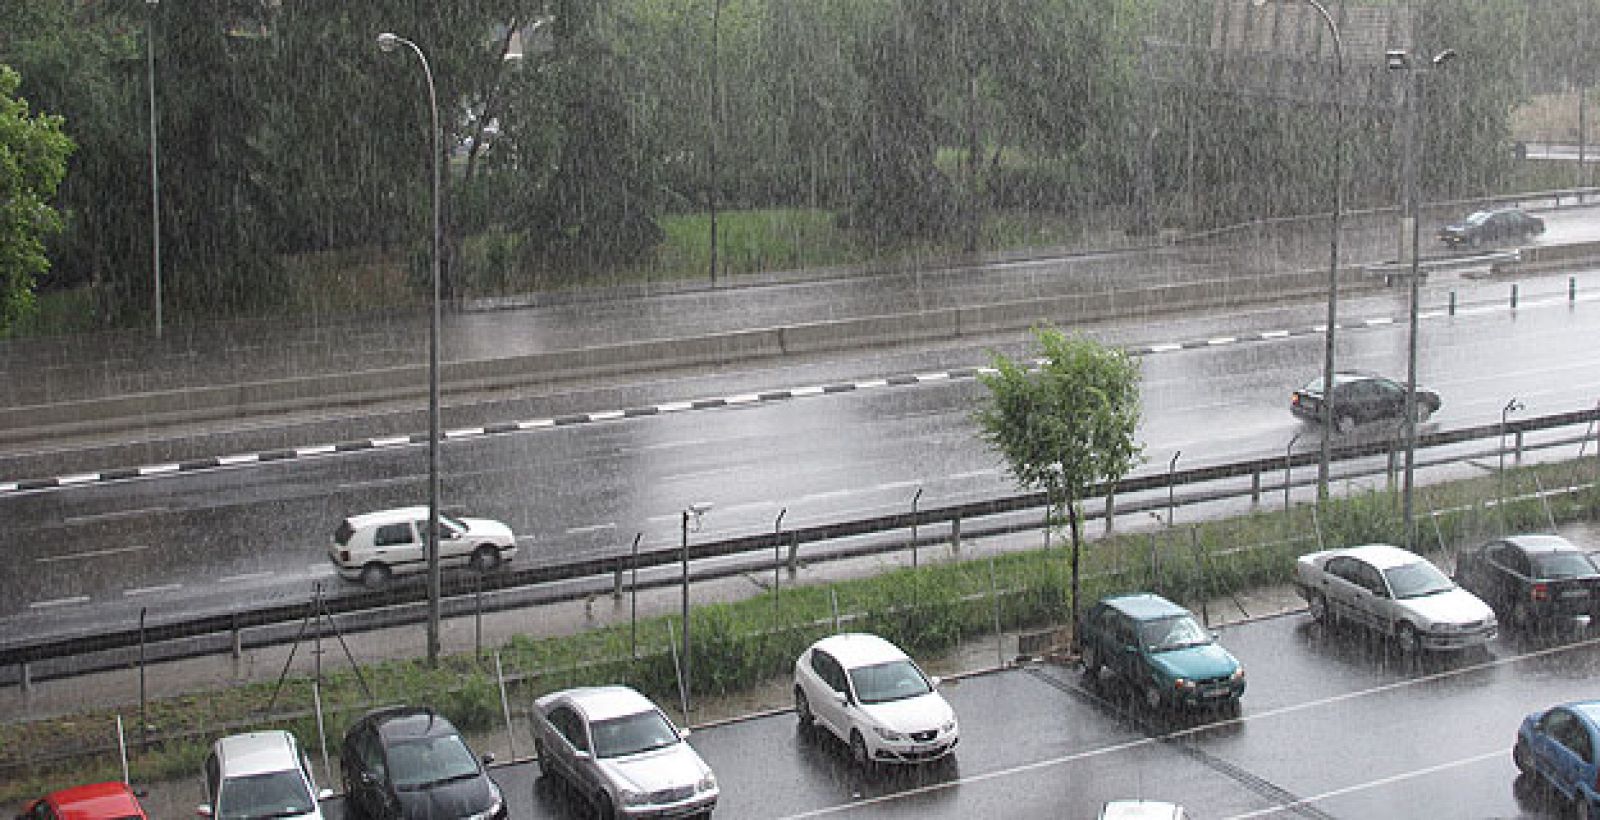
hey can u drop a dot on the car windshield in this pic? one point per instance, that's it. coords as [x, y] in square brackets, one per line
[632, 734]
[423, 762]
[884, 682]
[1167, 634]
[275, 794]
[1417, 579]
[1563, 565]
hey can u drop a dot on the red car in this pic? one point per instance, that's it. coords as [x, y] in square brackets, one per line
[100, 801]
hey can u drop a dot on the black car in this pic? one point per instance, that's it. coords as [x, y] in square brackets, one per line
[1491, 226]
[1359, 398]
[409, 763]
[1533, 580]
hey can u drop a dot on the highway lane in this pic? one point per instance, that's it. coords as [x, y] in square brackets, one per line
[242, 533]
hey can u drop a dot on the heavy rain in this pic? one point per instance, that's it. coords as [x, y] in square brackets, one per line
[528, 408]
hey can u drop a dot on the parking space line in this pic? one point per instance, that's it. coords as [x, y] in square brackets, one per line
[129, 593]
[1372, 784]
[77, 556]
[248, 576]
[55, 602]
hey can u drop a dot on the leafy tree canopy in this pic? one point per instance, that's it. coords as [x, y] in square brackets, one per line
[33, 161]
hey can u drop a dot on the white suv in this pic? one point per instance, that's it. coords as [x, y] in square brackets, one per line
[260, 774]
[372, 547]
[866, 692]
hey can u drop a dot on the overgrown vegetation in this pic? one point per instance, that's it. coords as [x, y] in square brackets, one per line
[739, 645]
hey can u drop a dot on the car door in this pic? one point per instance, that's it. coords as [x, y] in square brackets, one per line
[1565, 750]
[1127, 645]
[1343, 589]
[454, 547]
[1386, 611]
[396, 545]
[575, 738]
[829, 710]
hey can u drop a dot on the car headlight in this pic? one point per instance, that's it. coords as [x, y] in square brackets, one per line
[708, 781]
[1183, 683]
[1238, 674]
[496, 805]
[949, 726]
[888, 734]
[633, 797]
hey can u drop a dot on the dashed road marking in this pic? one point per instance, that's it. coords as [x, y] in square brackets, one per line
[55, 602]
[155, 590]
[78, 556]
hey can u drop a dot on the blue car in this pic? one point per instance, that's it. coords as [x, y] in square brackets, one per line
[1559, 745]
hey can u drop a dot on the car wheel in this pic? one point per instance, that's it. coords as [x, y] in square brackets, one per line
[1410, 642]
[1521, 757]
[603, 807]
[374, 575]
[1152, 697]
[485, 558]
[544, 761]
[1345, 423]
[1319, 608]
[802, 709]
[1092, 661]
[1232, 708]
[1521, 616]
[1475, 241]
[858, 749]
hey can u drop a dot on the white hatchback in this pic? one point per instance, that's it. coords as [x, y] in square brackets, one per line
[260, 774]
[869, 694]
[370, 548]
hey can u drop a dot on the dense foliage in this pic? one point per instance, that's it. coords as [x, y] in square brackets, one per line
[33, 158]
[571, 128]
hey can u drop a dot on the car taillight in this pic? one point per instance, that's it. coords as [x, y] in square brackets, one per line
[1540, 592]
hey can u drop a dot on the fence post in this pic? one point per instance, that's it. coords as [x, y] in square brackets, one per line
[25, 674]
[1111, 512]
[914, 500]
[677, 668]
[833, 603]
[794, 553]
[955, 534]
[322, 728]
[1572, 288]
[1518, 451]
[238, 640]
[1205, 577]
[1513, 295]
[1255, 487]
[999, 637]
[1452, 303]
[616, 580]
[505, 708]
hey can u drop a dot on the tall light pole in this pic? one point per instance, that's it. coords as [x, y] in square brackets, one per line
[1400, 60]
[389, 42]
[155, 173]
[1327, 413]
[693, 510]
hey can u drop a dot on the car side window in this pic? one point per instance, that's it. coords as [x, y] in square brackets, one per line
[1345, 568]
[831, 671]
[1372, 579]
[1124, 631]
[369, 754]
[390, 535]
[570, 725]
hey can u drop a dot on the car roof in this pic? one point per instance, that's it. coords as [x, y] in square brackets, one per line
[1382, 556]
[256, 753]
[1587, 709]
[1144, 606]
[1534, 544]
[605, 702]
[398, 722]
[396, 515]
[856, 649]
[95, 801]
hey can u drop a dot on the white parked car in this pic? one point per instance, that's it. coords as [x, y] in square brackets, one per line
[260, 774]
[869, 694]
[622, 753]
[1393, 592]
[372, 547]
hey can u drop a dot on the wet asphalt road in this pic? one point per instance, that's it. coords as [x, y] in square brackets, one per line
[1333, 725]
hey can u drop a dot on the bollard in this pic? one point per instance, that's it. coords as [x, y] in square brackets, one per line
[1513, 295]
[1452, 303]
[1111, 512]
[26, 675]
[1255, 487]
[1572, 288]
[955, 534]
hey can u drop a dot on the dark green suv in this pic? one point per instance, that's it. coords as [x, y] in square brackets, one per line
[1159, 648]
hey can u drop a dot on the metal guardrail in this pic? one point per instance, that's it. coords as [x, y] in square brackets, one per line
[377, 603]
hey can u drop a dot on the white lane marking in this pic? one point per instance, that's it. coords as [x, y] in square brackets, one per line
[1222, 340]
[1169, 347]
[1378, 321]
[1478, 311]
[318, 450]
[898, 485]
[75, 556]
[8, 487]
[742, 398]
[248, 576]
[1429, 314]
[871, 383]
[243, 458]
[81, 478]
[590, 528]
[674, 407]
[112, 516]
[609, 415]
[992, 471]
[1275, 334]
[933, 377]
[158, 469]
[391, 441]
[1372, 784]
[151, 590]
[466, 432]
[535, 424]
[55, 602]
[1469, 669]
[814, 390]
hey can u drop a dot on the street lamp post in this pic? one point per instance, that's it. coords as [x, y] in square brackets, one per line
[155, 173]
[695, 510]
[1328, 416]
[389, 42]
[1400, 60]
[1500, 474]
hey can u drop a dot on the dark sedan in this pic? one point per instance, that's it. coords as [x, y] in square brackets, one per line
[1533, 580]
[1491, 226]
[408, 763]
[1359, 398]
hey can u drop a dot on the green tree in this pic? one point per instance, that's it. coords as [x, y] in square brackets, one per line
[33, 160]
[1065, 426]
